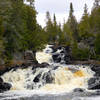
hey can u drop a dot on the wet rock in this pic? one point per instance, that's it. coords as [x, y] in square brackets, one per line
[97, 92]
[79, 90]
[37, 78]
[1, 80]
[15, 68]
[5, 86]
[44, 64]
[73, 70]
[45, 78]
[95, 87]
[61, 54]
[96, 69]
[56, 58]
[55, 67]
[30, 58]
[94, 83]
[34, 67]
[48, 77]
[54, 49]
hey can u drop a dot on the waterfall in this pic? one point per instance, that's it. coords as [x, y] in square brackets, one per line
[56, 77]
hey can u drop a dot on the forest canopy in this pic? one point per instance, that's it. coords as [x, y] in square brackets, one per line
[19, 31]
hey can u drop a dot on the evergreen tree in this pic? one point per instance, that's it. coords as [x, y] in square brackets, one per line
[97, 45]
[95, 20]
[55, 29]
[84, 26]
[29, 17]
[96, 3]
[1, 39]
[19, 22]
[49, 27]
[31, 2]
[67, 34]
[73, 23]
[14, 29]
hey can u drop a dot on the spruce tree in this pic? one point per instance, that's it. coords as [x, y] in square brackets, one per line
[96, 3]
[49, 27]
[72, 22]
[31, 2]
[84, 26]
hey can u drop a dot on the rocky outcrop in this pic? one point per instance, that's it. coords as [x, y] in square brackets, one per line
[61, 54]
[30, 58]
[79, 90]
[46, 77]
[96, 69]
[94, 83]
[4, 86]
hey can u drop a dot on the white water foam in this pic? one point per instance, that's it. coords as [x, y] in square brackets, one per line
[65, 79]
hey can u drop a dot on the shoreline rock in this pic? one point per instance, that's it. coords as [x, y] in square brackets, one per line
[4, 86]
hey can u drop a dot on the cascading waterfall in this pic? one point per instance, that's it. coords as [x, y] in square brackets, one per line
[56, 77]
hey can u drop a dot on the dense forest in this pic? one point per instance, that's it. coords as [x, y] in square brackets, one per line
[19, 31]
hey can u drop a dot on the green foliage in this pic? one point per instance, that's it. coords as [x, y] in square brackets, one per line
[1, 40]
[49, 27]
[19, 30]
[84, 26]
[74, 33]
[79, 53]
[97, 44]
[72, 23]
[53, 30]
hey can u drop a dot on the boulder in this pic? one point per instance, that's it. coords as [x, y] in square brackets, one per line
[1, 80]
[37, 78]
[44, 65]
[95, 87]
[94, 83]
[4, 86]
[55, 67]
[62, 54]
[30, 58]
[47, 77]
[96, 69]
[79, 90]
[56, 58]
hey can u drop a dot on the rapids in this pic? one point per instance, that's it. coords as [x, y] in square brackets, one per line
[61, 77]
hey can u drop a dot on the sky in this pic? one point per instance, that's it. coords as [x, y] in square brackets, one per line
[61, 9]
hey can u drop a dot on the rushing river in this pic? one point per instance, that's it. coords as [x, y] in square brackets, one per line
[56, 82]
